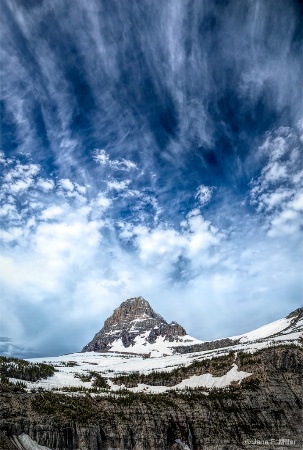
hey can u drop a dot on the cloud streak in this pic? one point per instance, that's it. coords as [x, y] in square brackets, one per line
[277, 192]
[149, 149]
[157, 82]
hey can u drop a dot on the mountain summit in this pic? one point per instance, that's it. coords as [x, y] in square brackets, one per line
[136, 328]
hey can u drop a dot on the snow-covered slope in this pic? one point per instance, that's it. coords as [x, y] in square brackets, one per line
[112, 364]
[290, 324]
[265, 331]
[160, 347]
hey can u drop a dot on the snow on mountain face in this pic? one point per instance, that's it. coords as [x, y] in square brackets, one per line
[135, 327]
[291, 323]
[123, 362]
[266, 330]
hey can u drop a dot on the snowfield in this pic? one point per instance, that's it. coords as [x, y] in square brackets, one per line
[265, 331]
[111, 364]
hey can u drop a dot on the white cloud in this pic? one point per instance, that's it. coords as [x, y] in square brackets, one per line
[81, 189]
[297, 202]
[275, 171]
[10, 235]
[22, 171]
[45, 184]
[52, 212]
[164, 246]
[276, 146]
[201, 236]
[20, 185]
[62, 257]
[155, 245]
[118, 185]
[7, 209]
[287, 222]
[275, 199]
[102, 158]
[66, 241]
[125, 231]
[20, 177]
[52, 255]
[67, 184]
[204, 194]
[103, 201]
[123, 164]
[277, 191]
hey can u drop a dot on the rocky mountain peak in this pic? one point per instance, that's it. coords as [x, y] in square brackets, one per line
[132, 309]
[134, 319]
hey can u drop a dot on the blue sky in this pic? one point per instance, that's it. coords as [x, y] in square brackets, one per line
[149, 148]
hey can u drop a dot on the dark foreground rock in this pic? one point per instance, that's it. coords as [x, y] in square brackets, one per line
[264, 412]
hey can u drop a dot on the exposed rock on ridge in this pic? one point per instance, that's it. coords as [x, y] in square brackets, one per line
[134, 317]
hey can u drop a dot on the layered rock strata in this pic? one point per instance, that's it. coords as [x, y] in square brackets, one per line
[266, 409]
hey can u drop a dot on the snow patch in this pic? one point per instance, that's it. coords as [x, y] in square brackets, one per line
[27, 443]
[206, 380]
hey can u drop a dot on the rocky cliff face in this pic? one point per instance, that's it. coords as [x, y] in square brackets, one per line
[134, 317]
[266, 408]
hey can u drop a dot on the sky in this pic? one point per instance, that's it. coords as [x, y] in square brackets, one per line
[149, 148]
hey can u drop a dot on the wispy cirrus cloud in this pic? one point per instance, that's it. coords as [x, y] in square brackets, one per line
[277, 192]
[102, 158]
[72, 258]
[131, 136]
[173, 99]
